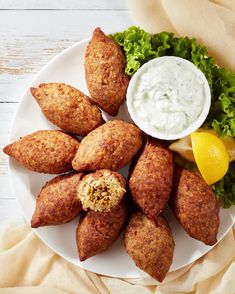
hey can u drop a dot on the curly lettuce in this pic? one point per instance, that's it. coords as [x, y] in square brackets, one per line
[137, 46]
[222, 113]
[225, 188]
[140, 47]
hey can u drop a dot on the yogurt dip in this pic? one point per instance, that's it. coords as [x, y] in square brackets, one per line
[168, 97]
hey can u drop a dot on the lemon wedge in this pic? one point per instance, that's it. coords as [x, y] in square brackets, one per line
[211, 156]
[184, 146]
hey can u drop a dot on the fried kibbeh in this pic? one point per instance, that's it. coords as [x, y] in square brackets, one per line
[110, 146]
[195, 206]
[44, 151]
[67, 108]
[150, 244]
[57, 202]
[101, 190]
[105, 72]
[151, 177]
[97, 231]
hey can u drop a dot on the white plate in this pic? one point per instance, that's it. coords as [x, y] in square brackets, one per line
[68, 67]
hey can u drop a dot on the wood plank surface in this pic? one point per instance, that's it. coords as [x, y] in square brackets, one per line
[7, 111]
[64, 4]
[32, 32]
[35, 37]
[10, 211]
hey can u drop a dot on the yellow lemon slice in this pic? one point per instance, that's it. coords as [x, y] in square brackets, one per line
[211, 156]
[184, 146]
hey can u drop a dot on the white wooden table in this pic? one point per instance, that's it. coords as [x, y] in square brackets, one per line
[31, 33]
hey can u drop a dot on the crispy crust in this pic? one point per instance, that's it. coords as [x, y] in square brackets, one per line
[68, 108]
[150, 244]
[57, 202]
[45, 151]
[105, 72]
[151, 177]
[97, 231]
[195, 206]
[110, 146]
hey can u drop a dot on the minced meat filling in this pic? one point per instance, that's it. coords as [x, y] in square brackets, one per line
[102, 194]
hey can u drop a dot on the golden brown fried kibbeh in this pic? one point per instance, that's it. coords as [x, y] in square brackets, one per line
[105, 72]
[97, 231]
[110, 146]
[150, 244]
[44, 151]
[101, 190]
[57, 202]
[151, 177]
[195, 206]
[68, 108]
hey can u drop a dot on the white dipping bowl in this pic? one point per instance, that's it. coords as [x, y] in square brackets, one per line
[142, 123]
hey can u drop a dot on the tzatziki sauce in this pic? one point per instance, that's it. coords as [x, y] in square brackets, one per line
[168, 96]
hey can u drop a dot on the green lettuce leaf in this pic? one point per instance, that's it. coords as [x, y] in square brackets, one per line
[137, 46]
[222, 113]
[140, 47]
[225, 188]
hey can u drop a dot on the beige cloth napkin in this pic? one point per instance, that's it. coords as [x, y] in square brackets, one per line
[29, 266]
[211, 22]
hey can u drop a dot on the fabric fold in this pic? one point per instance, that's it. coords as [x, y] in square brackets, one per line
[211, 22]
[29, 266]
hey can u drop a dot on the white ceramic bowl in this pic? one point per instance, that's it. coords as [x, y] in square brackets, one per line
[142, 124]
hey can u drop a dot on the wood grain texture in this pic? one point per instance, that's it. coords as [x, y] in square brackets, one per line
[10, 210]
[7, 111]
[33, 32]
[29, 42]
[64, 4]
